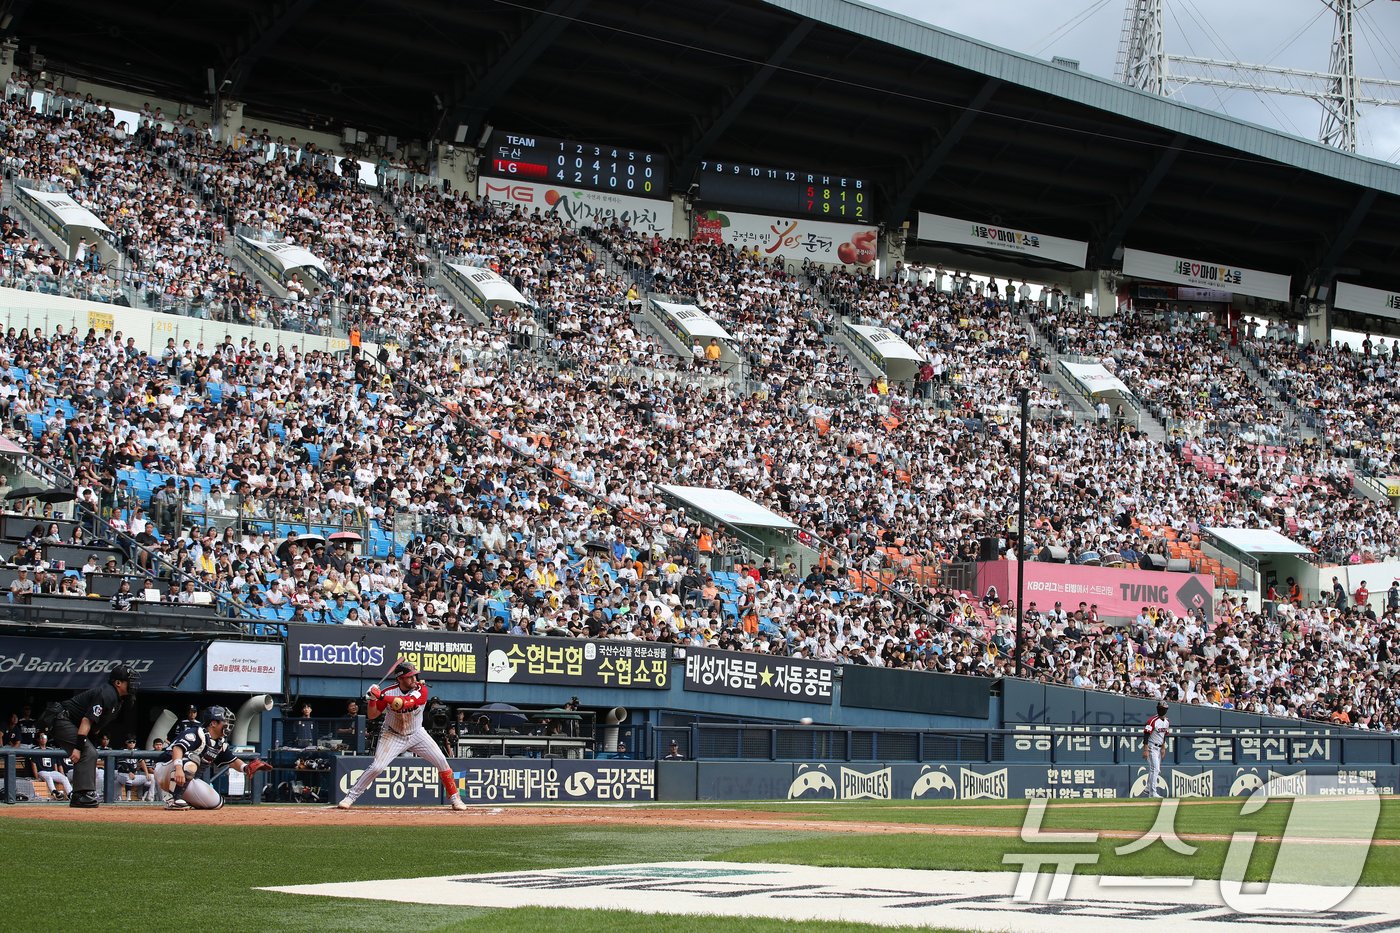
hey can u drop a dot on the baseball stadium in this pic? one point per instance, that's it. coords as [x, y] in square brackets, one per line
[732, 465]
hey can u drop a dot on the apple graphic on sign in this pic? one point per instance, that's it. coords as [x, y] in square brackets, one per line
[551, 197]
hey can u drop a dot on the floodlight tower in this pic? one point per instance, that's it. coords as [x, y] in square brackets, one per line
[1143, 63]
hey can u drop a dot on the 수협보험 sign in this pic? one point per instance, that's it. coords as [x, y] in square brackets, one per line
[575, 662]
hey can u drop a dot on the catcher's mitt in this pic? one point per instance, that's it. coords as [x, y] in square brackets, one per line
[254, 766]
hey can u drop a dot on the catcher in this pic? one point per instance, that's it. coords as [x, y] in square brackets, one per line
[197, 756]
[402, 708]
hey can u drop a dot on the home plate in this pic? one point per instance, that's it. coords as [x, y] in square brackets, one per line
[895, 897]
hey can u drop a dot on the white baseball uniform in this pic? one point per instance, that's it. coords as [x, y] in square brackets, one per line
[402, 732]
[1154, 739]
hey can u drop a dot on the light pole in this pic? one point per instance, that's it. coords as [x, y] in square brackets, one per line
[1025, 396]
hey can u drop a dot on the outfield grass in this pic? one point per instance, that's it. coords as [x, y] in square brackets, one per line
[124, 876]
[1193, 816]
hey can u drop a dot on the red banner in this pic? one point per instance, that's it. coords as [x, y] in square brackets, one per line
[1119, 594]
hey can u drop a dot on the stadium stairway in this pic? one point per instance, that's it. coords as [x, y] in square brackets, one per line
[1081, 408]
[1294, 417]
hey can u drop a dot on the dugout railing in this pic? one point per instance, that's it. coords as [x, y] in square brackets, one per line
[10, 758]
[1048, 744]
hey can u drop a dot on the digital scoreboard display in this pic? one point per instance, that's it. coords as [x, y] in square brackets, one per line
[787, 191]
[583, 165]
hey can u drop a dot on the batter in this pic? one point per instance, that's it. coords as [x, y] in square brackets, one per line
[402, 708]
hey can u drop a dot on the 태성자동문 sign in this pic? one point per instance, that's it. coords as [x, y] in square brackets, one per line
[937, 228]
[576, 662]
[353, 651]
[579, 208]
[1195, 272]
[749, 674]
[790, 237]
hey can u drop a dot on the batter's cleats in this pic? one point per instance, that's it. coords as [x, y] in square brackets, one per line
[457, 803]
[345, 803]
[177, 804]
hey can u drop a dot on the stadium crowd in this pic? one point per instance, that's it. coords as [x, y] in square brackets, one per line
[517, 460]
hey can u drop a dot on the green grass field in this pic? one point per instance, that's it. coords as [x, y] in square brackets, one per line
[125, 876]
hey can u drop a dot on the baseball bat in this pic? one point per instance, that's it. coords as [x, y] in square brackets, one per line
[392, 664]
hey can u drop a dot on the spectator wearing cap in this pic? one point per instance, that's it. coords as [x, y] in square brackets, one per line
[123, 600]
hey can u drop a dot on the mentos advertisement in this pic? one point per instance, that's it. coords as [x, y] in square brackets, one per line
[579, 208]
[790, 238]
[1117, 593]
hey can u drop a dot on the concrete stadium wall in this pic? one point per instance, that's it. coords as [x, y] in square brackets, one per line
[150, 328]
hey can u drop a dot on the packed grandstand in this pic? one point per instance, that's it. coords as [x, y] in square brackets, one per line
[503, 469]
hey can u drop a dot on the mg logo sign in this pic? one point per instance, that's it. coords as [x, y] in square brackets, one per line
[505, 191]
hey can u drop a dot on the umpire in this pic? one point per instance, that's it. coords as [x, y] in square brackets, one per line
[71, 723]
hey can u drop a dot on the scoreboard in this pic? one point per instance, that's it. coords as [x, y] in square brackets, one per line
[787, 191]
[596, 167]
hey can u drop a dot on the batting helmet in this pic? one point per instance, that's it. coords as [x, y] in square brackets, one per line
[216, 714]
[1161, 708]
[403, 669]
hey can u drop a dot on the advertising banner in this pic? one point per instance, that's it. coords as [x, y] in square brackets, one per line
[1119, 594]
[79, 663]
[1239, 746]
[243, 667]
[887, 350]
[354, 651]
[873, 780]
[790, 238]
[936, 228]
[1187, 271]
[487, 290]
[1096, 378]
[579, 208]
[574, 662]
[745, 674]
[689, 323]
[413, 782]
[68, 212]
[1375, 301]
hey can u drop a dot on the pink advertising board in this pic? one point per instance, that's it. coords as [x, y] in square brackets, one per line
[1118, 593]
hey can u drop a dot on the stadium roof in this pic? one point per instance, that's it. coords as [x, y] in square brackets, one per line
[940, 122]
